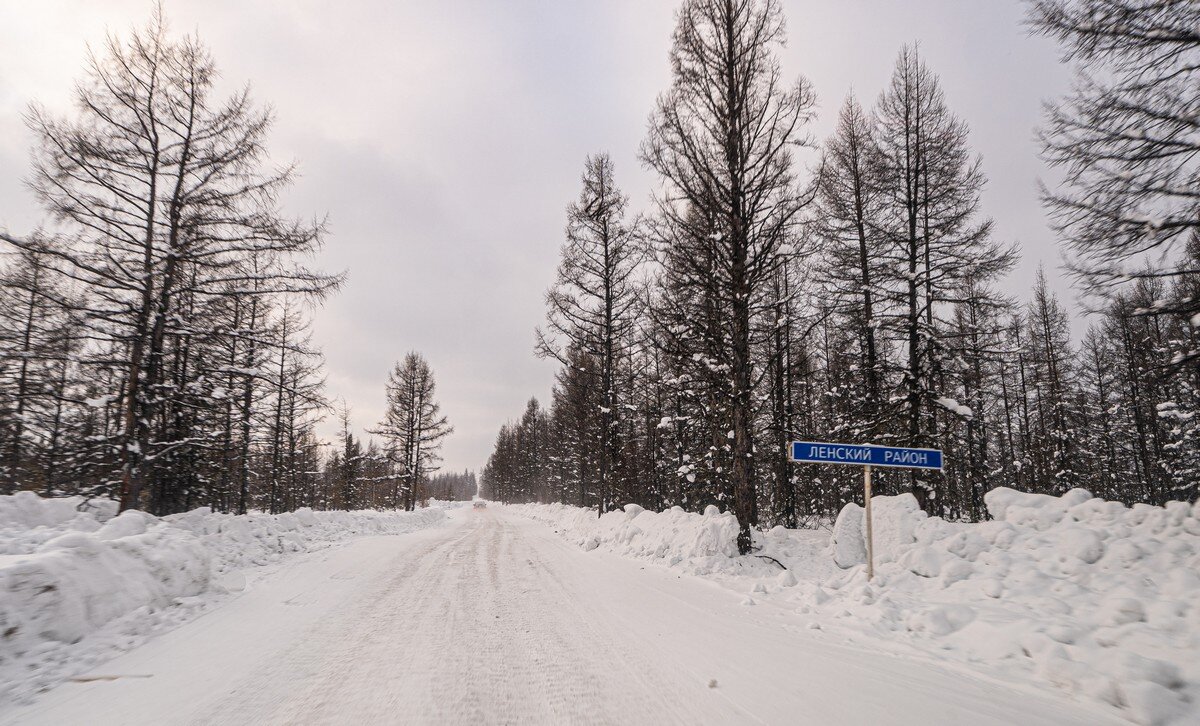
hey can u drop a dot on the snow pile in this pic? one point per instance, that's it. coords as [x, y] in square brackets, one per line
[27, 521]
[674, 536]
[702, 544]
[848, 543]
[239, 541]
[80, 580]
[893, 524]
[66, 574]
[1097, 598]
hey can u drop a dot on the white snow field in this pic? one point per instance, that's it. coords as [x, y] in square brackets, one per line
[494, 618]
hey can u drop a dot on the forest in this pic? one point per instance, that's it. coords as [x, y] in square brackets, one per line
[758, 300]
[154, 335]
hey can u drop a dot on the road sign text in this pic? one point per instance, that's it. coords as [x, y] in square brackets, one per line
[819, 452]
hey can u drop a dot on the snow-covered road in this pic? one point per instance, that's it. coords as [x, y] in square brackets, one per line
[495, 619]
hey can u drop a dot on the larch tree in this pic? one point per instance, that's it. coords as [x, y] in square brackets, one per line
[722, 139]
[1127, 145]
[153, 340]
[575, 410]
[35, 344]
[690, 327]
[929, 185]
[163, 195]
[875, 313]
[1051, 382]
[591, 308]
[975, 340]
[1126, 140]
[413, 427]
[846, 221]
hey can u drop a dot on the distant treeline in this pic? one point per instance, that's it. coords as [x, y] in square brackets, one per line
[453, 486]
[755, 303]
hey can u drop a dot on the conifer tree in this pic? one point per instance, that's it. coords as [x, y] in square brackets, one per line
[413, 427]
[591, 307]
[722, 139]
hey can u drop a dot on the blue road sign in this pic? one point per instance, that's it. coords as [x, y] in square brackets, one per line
[895, 457]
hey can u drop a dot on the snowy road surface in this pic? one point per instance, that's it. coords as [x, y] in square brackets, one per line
[495, 619]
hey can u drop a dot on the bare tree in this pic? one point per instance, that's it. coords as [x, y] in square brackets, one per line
[165, 204]
[930, 185]
[846, 219]
[722, 139]
[1127, 142]
[591, 309]
[413, 426]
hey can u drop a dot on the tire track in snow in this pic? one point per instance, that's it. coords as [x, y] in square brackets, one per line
[477, 628]
[496, 620]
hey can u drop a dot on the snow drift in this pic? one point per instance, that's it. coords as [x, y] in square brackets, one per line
[1096, 598]
[674, 536]
[701, 544]
[68, 567]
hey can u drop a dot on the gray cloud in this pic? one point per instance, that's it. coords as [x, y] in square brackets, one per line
[444, 140]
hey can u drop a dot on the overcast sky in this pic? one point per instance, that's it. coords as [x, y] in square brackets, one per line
[444, 139]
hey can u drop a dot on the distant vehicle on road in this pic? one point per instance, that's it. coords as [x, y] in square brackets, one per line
[479, 504]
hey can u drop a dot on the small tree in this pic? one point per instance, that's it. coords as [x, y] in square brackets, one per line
[413, 426]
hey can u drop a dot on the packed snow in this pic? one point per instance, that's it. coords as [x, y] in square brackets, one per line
[1085, 595]
[79, 582]
[1092, 598]
[493, 618]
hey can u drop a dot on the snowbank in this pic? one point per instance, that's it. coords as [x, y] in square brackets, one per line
[1095, 598]
[27, 521]
[69, 568]
[702, 544]
[238, 541]
[894, 521]
[80, 580]
[675, 536]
